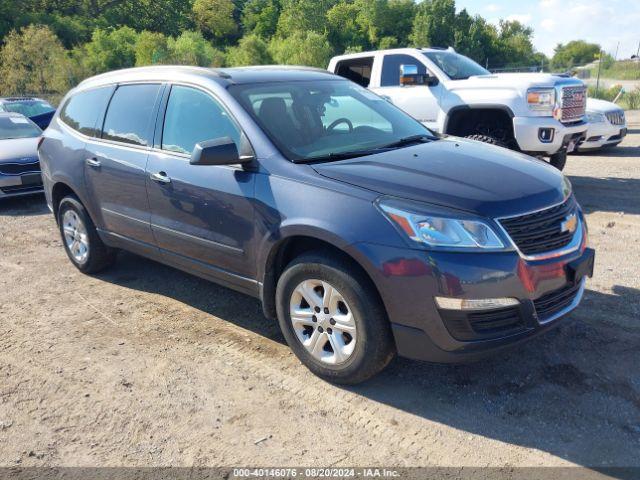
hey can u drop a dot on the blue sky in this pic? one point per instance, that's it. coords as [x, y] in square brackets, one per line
[606, 22]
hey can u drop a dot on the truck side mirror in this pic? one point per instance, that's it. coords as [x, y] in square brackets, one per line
[409, 76]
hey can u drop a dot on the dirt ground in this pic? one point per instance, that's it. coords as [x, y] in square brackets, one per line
[145, 365]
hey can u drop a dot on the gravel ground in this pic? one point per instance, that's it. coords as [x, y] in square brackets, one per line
[145, 365]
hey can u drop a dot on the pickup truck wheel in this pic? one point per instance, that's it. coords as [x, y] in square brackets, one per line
[84, 247]
[558, 160]
[487, 139]
[332, 319]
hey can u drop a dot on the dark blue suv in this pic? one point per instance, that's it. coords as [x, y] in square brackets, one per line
[358, 228]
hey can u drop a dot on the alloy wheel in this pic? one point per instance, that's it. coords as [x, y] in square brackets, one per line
[75, 236]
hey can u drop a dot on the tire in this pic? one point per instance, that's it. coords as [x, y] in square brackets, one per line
[91, 254]
[351, 363]
[487, 139]
[558, 160]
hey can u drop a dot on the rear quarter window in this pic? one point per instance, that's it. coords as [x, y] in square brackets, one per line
[83, 110]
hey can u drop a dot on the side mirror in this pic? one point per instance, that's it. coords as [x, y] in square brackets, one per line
[409, 76]
[219, 151]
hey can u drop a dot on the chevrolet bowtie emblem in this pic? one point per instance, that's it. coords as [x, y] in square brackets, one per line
[570, 223]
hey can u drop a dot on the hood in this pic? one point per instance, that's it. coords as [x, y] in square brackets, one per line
[456, 173]
[19, 150]
[514, 81]
[601, 106]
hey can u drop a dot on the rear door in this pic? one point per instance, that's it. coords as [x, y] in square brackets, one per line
[201, 215]
[115, 166]
[422, 102]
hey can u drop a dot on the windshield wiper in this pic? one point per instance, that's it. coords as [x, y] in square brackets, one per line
[341, 155]
[422, 138]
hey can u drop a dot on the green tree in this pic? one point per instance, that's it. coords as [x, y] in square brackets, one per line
[345, 33]
[302, 48]
[109, 50]
[575, 53]
[216, 18]
[33, 61]
[251, 50]
[303, 16]
[434, 24]
[261, 17]
[151, 48]
[191, 48]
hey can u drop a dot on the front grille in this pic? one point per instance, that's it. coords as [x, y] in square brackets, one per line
[574, 103]
[615, 117]
[482, 325]
[541, 231]
[552, 303]
[19, 168]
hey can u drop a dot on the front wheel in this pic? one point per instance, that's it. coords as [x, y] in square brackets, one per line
[558, 160]
[332, 319]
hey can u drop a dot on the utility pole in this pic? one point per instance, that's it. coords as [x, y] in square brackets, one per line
[598, 77]
[615, 58]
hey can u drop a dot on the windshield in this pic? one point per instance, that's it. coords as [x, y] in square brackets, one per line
[456, 66]
[17, 127]
[324, 120]
[28, 108]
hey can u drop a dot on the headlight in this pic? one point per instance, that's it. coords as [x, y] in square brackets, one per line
[541, 99]
[594, 117]
[436, 228]
[566, 187]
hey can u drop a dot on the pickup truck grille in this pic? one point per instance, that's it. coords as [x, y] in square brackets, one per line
[574, 103]
[541, 231]
[616, 117]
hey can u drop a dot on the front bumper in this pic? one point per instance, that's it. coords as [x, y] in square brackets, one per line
[408, 281]
[527, 133]
[602, 134]
[18, 185]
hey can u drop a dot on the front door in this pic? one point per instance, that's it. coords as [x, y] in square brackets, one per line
[422, 102]
[115, 165]
[201, 215]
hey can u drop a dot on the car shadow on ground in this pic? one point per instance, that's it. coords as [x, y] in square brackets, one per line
[620, 151]
[608, 194]
[573, 392]
[28, 205]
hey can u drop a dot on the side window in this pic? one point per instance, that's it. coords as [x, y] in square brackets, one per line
[193, 116]
[357, 70]
[81, 112]
[129, 115]
[391, 68]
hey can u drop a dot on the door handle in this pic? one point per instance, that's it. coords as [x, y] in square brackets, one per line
[160, 177]
[93, 162]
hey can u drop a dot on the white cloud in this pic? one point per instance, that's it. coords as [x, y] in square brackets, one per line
[492, 7]
[548, 24]
[519, 17]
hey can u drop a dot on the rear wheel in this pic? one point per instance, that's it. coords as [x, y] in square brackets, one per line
[84, 247]
[332, 319]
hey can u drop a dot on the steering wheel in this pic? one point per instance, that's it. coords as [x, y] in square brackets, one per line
[337, 122]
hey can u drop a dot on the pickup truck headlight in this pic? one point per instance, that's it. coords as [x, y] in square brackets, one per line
[439, 229]
[594, 117]
[541, 99]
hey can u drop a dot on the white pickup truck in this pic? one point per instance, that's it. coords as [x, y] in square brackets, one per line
[536, 113]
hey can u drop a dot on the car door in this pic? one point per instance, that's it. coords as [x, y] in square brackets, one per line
[422, 102]
[116, 165]
[201, 215]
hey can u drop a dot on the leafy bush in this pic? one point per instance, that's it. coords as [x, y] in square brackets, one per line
[632, 99]
[608, 94]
